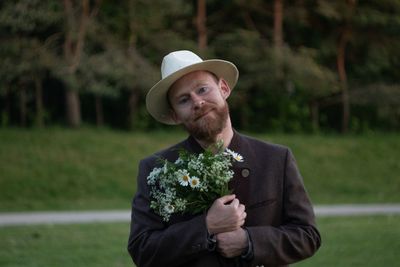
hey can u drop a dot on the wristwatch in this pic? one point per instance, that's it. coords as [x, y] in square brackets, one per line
[211, 242]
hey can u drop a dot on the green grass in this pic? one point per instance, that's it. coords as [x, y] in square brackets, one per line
[348, 169]
[88, 168]
[347, 241]
[83, 245]
[357, 241]
[72, 169]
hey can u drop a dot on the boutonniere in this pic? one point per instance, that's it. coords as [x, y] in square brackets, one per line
[192, 182]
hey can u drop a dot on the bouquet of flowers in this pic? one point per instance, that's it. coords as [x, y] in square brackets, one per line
[192, 182]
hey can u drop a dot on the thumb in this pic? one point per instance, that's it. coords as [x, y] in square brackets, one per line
[227, 198]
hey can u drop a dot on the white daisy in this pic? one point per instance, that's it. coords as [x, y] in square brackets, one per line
[234, 155]
[183, 177]
[169, 208]
[194, 182]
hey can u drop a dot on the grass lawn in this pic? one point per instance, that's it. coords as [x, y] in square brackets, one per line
[357, 241]
[347, 241]
[347, 169]
[100, 245]
[64, 169]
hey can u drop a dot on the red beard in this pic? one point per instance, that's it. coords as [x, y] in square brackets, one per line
[206, 127]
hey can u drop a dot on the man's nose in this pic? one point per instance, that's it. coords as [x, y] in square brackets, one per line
[198, 102]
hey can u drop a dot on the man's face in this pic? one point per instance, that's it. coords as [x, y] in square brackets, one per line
[198, 100]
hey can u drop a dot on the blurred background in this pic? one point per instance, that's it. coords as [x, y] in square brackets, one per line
[305, 66]
[320, 76]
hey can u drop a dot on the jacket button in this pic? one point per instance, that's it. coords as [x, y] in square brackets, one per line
[245, 173]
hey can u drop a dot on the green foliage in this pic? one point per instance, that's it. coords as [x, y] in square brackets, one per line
[23, 51]
[125, 42]
[29, 16]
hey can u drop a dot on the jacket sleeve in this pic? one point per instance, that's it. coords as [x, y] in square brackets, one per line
[152, 242]
[297, 237]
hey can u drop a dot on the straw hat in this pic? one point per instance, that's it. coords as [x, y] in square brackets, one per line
[174, 66]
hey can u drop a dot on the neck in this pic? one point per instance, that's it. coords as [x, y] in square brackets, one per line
[225, 135]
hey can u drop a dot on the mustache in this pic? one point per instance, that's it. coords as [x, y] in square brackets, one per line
[202, 111]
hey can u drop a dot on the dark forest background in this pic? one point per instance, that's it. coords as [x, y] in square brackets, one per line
[305, 65]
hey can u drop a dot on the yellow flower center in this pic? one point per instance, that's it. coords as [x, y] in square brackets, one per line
[185, 178]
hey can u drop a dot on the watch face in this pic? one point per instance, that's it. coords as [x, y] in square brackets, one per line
[211, 242]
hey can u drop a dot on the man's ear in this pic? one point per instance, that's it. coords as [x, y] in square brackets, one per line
[225, 89]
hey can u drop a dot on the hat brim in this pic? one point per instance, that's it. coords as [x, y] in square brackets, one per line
[156, 99]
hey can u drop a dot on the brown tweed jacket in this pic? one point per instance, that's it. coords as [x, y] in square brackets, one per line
[280, 218]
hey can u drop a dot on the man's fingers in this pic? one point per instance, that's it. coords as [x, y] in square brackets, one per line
[241, 208]
[235, 203]
[227, 198]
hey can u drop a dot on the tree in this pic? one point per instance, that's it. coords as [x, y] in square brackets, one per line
[360, 29]
[75, 34]
[24, 52]
[125, 69]
[201, 24]
[297, 59]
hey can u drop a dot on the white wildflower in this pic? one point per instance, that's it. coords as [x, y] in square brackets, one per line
[165, 168]
[183, 177]
[169, 208]
[196, 164]
[194, 182]
[178, 161]
[234, 155]
[153, 176]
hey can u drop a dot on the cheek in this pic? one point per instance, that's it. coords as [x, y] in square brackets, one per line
[218, 97]
[182, 113]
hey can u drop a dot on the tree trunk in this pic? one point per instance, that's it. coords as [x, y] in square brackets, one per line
[133, 26]
[73, 108]
[278, 40]
[22, 107]
[132, 108]
[278, 24]
[39, 121]
[314, 111]
[341, 54]
[201, 24]
[6, 112]
[341, 65]
[99, 111]
[76, 29]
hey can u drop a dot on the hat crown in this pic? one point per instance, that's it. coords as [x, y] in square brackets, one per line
[177, 60]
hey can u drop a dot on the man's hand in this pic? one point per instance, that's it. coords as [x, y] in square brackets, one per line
[232, 244]
[224, 217]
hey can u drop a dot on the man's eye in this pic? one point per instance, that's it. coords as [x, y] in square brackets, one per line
[202, 90]
[183, 100]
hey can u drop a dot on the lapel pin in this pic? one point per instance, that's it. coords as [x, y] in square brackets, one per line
[245, 173]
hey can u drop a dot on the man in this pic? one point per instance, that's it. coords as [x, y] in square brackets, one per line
[267, 221]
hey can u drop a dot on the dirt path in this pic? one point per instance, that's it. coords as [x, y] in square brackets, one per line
[69, 217]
